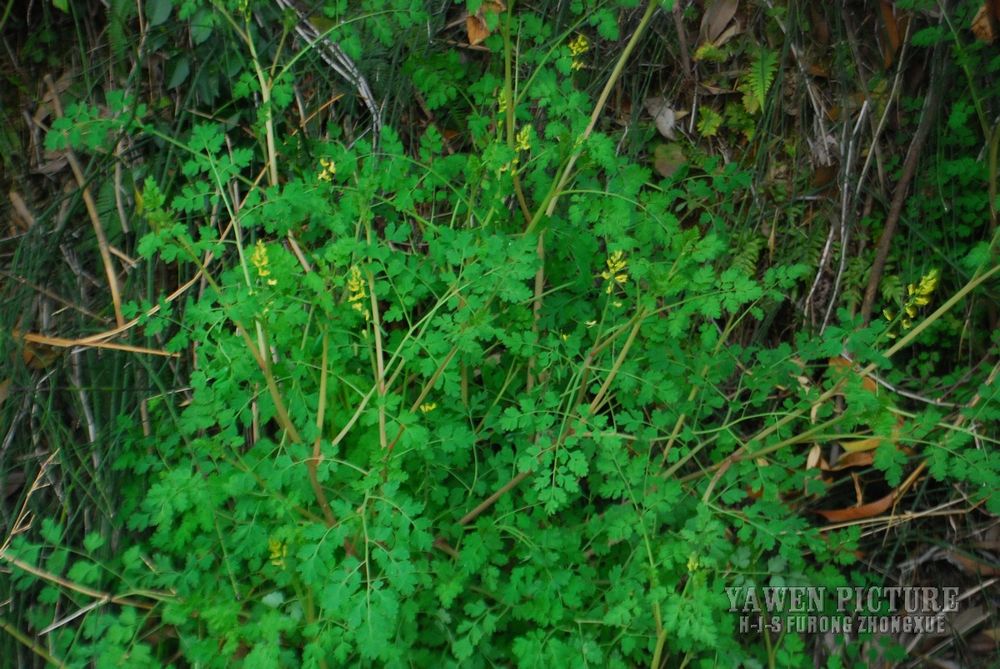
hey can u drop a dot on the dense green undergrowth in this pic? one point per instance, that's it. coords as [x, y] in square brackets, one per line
[487, 390]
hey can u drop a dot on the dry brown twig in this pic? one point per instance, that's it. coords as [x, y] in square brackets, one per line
[95, 219]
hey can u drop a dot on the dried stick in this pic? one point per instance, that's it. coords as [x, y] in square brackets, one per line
[931, 104]
[95, 219]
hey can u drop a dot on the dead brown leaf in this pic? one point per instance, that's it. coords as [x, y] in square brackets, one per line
[475, 24]
[855, 459]
[668, 158]
[663, 115]
[716, 19]
[860, 511]
[982, 25]
[972, 565]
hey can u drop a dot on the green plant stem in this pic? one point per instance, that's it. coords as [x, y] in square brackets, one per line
[26, 641]
[695, 389]
[379, 354]
[973, 283]
[6, 14]
[548, 204]
[661, 634]
[508, 92]
[740, 454]
[260, 356]
[317, 453]
[514, 482]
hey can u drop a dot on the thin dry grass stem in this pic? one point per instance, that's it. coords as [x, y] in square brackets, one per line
[95, 219]
[932, 102]
[54, 296]
[379, 360]
[317, 453]
[62, 342]
[23, 523]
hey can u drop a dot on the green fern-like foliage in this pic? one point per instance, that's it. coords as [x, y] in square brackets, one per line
[745, 260]
[758, 80]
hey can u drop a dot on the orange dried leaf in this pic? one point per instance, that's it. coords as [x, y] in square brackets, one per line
[982, 25]
[475, 24]
[858, 512]
[853, 459]
[972, 565]
[476, 29]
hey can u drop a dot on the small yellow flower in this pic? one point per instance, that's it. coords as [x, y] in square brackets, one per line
[278, 551]
[617, 271]
[356, 291]
[577, 47]
[591, 324]
[523, 139]
[355, 283]
[693, 563]
[259, 258]
[427, 407]
[616, 264]
[260, 262]
[917, 295]
[329, 169]
[888, 314]
[564, 336]
[928, 283]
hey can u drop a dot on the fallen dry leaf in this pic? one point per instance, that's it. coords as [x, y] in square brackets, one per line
[855, 459]
[972, 565]
[815, 457]
[982, 25]
[668, 158]
[663, 115]
[716, 19]
[860, 511]
[475, 24]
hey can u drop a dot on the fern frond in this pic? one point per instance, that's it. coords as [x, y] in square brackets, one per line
[746, 258]
[759, 78]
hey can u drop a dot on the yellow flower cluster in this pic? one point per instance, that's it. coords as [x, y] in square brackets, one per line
[356, 291]
[260, 261]
[523, 139]
[428, 407]
[617, 271]
[917, 295]
[577, 47]
[522, 143]
[329, 169]
[278, 551]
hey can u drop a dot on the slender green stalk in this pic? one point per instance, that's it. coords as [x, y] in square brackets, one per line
[548, 205]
